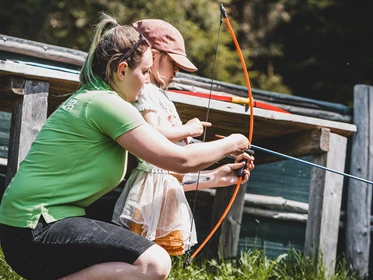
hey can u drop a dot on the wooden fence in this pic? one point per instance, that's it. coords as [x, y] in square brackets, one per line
[359, 202]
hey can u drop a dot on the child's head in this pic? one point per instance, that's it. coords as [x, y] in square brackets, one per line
[168, 49]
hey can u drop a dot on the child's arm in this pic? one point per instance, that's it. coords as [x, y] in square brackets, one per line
[192, 128]
[222, 176]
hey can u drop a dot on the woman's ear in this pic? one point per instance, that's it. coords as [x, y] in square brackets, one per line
[121, 70]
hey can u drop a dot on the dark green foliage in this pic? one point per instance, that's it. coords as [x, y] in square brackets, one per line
[317, 48]
[325, 48]
[70, 23]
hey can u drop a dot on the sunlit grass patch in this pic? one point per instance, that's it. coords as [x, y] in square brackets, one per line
[251, 264]
[254, 264]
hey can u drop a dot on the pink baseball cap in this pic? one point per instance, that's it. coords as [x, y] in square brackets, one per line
[164, 37]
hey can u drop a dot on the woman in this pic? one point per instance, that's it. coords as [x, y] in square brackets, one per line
[79, 155]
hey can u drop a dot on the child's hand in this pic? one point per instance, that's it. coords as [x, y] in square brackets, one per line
[195, 127]
[226, 175]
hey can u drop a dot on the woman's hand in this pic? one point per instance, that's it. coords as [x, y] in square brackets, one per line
[239, 143]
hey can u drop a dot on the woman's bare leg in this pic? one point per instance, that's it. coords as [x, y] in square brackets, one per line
[153, 264]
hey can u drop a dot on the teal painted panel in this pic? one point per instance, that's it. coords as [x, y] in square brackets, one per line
[5, 120]
[275, 236]
[290, 180]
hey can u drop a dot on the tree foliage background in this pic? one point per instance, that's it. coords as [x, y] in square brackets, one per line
[312, 48]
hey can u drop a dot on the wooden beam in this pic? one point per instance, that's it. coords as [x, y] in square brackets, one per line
[276, 202]
[228, 118]
[11, 87]
[63, 82]
[41, 50]
[277, 215]
[359, 199]
[206, 197]
[297, 105]
[325, 204]
[29, 114]
[298, 144]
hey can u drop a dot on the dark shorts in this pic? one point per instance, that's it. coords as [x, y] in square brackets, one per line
[51, 251]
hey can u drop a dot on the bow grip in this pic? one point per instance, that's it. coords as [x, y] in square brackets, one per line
[240, 172]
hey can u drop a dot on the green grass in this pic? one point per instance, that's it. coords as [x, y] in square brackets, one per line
[251, 264]
[6, 272]
[254, 264]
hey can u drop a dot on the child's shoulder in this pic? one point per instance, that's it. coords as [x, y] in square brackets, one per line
[150, 89]
[152, 93]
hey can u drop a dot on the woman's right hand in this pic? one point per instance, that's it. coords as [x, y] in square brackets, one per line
[239, 143]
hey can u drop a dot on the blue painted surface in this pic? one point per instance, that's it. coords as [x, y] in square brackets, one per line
[4, 133]
[287, 179]
[290, 180]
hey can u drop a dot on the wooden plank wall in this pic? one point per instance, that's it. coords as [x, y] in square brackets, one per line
[28, 116]
[325, 204]
[359, 202]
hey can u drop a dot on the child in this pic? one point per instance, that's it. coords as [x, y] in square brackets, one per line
[153, 202]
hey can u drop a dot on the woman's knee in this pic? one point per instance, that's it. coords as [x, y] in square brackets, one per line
[155, 262]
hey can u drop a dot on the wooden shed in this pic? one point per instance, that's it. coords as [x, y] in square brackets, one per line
[36, 78]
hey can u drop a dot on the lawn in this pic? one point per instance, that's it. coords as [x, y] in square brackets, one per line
[254, 264]
[251, 264]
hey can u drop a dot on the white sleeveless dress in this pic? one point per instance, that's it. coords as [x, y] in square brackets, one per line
[154, 198]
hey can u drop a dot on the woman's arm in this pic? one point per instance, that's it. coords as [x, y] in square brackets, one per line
[192, 128]
[148, 144]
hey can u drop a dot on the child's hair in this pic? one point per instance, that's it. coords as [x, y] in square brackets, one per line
[112, 44]
[160, 79]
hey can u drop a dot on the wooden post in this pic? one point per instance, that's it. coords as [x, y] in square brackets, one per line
[28, 116]
[226, 238]
[359, 200]
[325, 204]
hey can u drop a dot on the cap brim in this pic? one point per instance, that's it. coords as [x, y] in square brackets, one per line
[183, 62]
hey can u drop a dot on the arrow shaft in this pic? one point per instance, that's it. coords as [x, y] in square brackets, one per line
[310, 163]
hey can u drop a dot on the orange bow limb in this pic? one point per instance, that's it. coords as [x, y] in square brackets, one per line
[217, 224]
[244, 68]
[251, 103]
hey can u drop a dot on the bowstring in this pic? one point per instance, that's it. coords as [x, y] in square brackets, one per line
[205, 129]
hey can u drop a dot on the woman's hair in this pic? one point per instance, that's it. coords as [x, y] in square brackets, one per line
[111, 44]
